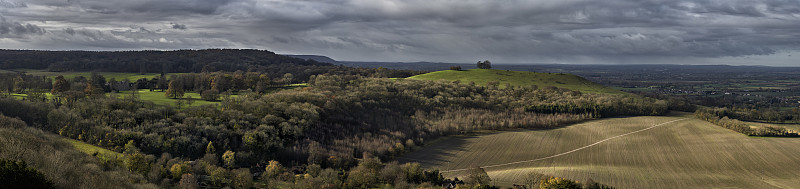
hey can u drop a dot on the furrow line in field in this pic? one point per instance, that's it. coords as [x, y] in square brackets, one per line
[568, 152]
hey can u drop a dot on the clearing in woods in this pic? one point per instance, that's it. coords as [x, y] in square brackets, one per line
[634, 152]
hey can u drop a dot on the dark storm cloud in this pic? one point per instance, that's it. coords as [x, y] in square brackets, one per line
[583, 31]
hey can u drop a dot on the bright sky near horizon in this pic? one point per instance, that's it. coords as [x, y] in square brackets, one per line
[736, 32]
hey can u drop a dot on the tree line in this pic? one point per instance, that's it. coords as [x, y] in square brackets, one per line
[749, 108]
[719, 116]
[209, 60]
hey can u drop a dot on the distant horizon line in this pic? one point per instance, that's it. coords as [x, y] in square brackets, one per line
[400, 62]
[590, 64]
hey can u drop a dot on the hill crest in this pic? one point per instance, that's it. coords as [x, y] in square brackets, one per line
[519, 78]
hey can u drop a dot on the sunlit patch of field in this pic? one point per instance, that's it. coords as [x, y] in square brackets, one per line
[92, 149]
[688, 153]
[119, 76]
[158, 98]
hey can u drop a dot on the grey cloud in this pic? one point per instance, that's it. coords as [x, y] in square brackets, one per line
[16, 29]
[70, 31]
[12, 4]
[136, 38]
[434, 30]
[179, 26]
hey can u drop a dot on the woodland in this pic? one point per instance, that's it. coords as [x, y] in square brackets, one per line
[344, 129]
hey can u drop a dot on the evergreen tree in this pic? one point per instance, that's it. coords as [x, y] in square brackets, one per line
[18, 175]
[484, 64]
[162, 82]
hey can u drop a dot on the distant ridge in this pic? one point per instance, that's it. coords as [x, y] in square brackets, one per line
[519, 78]
[318, 58]
[150, 61]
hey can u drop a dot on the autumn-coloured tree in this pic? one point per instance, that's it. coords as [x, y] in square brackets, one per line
[274, 170]
[179, 170]
[92, 90]
[210, 148]
[175, 90]
[60, 85]
[229, 158]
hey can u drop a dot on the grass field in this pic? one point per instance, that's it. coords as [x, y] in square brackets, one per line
[158, 98]
[518, 78]
[689, 153]
[108, 75]
[91, 149]
[20, 96]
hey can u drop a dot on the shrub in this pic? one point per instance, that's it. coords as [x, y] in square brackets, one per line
[210, 95]
[559, 183]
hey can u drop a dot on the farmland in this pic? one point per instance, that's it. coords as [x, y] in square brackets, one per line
[518, 78]
[688, 153]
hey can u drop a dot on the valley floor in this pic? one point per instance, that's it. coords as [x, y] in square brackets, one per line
[634, 152]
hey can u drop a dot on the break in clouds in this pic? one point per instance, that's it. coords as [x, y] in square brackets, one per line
[512, 31]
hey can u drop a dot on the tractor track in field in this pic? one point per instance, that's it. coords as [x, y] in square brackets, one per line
[571, 151]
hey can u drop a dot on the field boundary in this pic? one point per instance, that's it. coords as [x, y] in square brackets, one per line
[571, 151]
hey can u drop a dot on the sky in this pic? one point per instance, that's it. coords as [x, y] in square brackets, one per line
[735, 32]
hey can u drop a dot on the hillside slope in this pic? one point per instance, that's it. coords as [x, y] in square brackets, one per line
[519, 78]
[676, 153]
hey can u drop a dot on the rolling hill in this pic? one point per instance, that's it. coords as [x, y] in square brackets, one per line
[633, 152]
[518, 78]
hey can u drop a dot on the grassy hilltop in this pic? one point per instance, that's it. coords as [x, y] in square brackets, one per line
[518, 78]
